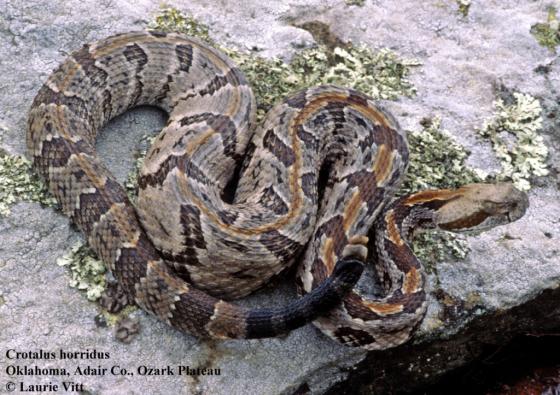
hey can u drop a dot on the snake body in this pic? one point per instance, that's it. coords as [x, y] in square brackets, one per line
[187, 247]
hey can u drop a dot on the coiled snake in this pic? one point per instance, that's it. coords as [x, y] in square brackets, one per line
[202, 245]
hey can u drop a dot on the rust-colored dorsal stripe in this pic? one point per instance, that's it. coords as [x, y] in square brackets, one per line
[430, 195]
[392, 229]
[351, 210]
[384, 308]
[199, 140]
[383, 163]
[412, 281]
[295, 169]
[328, 254]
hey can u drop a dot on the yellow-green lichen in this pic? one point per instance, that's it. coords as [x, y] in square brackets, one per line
[434, 247]
[87, 271]
[19, 183]
[547, 34]
[359, 3]
[381, 74]
[513, 131]
[270, 79]
[112, 319]
[437, 161]
[172, 20]
[464, 6]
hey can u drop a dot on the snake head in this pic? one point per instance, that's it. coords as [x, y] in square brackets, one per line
[478, 207]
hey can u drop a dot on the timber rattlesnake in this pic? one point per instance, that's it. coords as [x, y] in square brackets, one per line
[228, 249]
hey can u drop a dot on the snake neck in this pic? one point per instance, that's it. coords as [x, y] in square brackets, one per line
[399, 223]
[402, 221]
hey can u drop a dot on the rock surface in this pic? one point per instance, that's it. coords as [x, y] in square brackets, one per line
[507, 285]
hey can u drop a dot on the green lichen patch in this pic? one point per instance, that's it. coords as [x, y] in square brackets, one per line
[112, 319]
[87, 271]
[513, 131]
[434, 247]
[379, 74]
[270, 79]
[358, 3]
[547, 34]
[19, 183]
[464, 6]
[172, 20]
[437, 161]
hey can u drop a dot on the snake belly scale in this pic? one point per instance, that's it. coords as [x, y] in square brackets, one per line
[185, 249]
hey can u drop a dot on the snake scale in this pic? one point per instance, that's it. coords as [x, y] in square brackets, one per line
[188, 246]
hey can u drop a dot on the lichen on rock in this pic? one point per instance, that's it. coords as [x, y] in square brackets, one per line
[464, 6]
[19, 183]
[381, 75]
[513, 132]
[436, 159]
[547, 33]
[87, 271]
[359, 3]
[172, 20]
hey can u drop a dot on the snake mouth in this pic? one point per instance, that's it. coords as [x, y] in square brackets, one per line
[466, 223]
[514, 207]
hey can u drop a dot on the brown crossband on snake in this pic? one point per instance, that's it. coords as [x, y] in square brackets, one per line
[187, 246]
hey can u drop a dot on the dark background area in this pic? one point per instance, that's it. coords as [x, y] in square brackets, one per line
[529, 364]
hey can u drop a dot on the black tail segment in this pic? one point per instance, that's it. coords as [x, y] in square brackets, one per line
[273, 322]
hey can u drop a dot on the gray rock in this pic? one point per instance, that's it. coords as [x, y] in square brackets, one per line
[508, 284]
